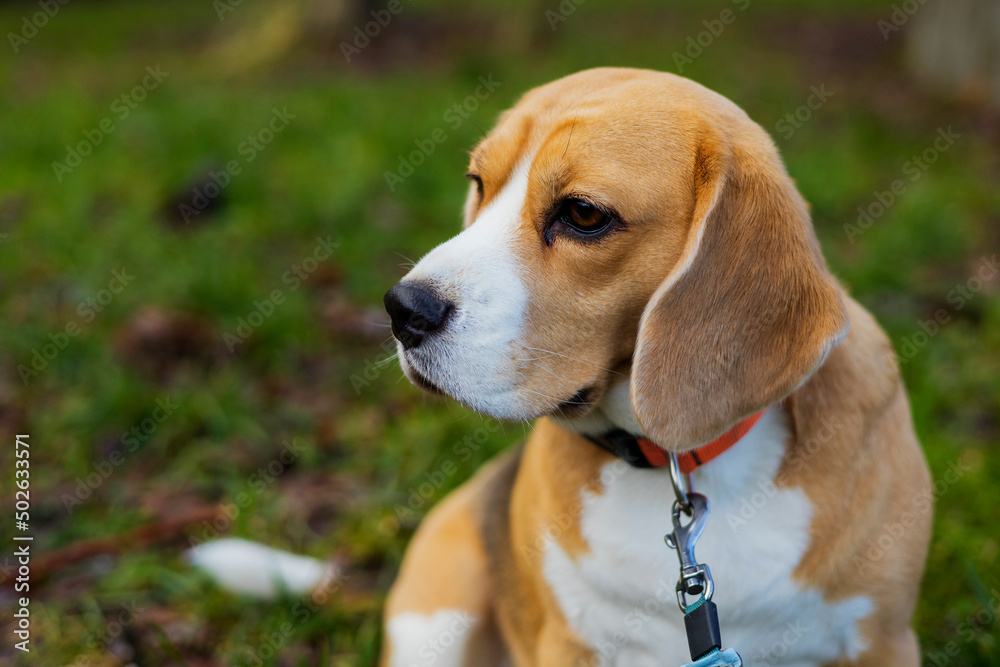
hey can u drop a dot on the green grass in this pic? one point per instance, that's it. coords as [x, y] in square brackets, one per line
[369, 440]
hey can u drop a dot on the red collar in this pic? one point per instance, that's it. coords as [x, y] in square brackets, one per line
[644, 453]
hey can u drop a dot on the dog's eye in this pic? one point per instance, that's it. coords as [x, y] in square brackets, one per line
[585, 218]
[581, 221]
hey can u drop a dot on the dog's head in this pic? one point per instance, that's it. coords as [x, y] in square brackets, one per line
[623, 224]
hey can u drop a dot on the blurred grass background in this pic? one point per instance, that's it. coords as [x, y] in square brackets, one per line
[309, 374]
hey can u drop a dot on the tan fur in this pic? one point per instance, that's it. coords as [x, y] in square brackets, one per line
[710, 214]
[769, 323]
[867, 474]
[450, 541]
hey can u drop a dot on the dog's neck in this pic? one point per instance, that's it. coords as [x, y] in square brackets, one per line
[613, 411]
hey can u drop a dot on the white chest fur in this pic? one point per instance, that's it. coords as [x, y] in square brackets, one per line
[619, 598]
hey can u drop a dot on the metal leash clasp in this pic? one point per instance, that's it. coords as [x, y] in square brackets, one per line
[701, 617]
[695, 578]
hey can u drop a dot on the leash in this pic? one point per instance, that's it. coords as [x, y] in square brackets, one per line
[701, 617]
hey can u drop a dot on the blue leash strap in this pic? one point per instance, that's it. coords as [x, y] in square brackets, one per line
[727, 658]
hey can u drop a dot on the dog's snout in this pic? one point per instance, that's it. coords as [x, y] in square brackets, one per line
[415, 311]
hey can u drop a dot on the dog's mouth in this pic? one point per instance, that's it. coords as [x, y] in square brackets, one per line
[422, 382]
[578, 404]
[574, 407]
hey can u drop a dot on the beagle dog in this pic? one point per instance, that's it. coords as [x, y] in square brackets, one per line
[638, 272]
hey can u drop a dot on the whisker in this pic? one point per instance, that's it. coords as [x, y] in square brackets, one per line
[554, 398]
[465, 416]
[550, 372]
[566, 356]
[379, 364]
[412, 263]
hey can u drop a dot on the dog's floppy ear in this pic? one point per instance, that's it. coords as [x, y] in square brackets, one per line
[749, 311]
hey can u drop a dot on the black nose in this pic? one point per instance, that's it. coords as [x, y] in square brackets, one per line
[415, 312]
